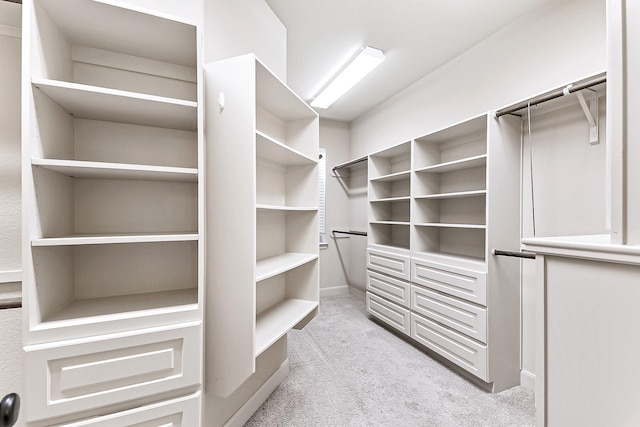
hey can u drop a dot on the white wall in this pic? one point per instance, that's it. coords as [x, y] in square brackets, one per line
[334, 259]
[557, 44]
[10, 197]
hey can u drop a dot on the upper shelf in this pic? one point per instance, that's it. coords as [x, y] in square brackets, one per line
[275, 151]
[398, 176]
[467, 163]
[112, 105]
[282, 263]
[102, 170]
[107, 239]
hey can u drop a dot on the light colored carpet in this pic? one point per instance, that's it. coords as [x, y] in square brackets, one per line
[347, 370]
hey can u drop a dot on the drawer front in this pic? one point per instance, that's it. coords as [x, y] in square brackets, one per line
[467, 284]
[392, 289]
[464, 352]
[465, 318]
[388, 312]
[72, 377]
[389, 263]
[182, 412]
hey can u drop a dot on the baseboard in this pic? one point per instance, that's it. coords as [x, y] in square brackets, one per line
[335, 290]
[527, 380]
[357, 292]
[245, 412]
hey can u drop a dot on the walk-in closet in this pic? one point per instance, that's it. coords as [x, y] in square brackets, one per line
[340, 213]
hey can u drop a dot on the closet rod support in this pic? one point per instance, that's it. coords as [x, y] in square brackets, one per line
[590, 109]
[497, 252]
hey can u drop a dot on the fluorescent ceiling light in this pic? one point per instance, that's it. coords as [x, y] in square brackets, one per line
[368, 59]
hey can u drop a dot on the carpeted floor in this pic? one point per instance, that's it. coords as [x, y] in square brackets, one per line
[346, 370]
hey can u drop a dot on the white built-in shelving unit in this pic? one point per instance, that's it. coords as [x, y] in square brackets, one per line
[262, 162]
[113, 218]
[438, 205]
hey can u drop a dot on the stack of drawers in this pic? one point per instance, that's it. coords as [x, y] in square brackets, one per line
[440, 306]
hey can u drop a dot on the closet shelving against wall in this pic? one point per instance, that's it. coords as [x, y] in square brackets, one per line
[113, 217]
[263, 184]
[433, 278]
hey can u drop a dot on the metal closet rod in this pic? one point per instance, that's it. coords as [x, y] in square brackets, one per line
[354, 233]
[351, 163]
[497, 252]
[10, 303]
[552, 95]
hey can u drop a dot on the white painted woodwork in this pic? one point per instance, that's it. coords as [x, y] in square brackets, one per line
[179, 412]
[470, 285]
[393, 264]
[113, 249]
[462, 204]
[464, 352]
[392, 314]
[392, 289]
[262, 180]
[465, 318]
[75, 376]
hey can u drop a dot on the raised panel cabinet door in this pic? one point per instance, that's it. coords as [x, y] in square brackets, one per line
[392, 289]
[464, 352]
[69, 377]
[460, 282]
[389, 263]
[468, 319]
[389, 313]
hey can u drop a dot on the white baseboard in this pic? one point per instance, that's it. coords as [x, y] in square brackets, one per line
[335, 290]
[245, 412]
[357, 292]
[527, 380]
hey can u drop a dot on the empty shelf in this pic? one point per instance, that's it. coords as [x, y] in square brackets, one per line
[101, 170]
[466, 163]
[279, 264]
[455, 195]
[273, 323]
[277, 208]
[98, 103]
[82, 239]
[450, 225]
[397, 176]
[275, 151]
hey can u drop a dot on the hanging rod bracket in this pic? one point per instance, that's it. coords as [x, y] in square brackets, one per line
[589, 102]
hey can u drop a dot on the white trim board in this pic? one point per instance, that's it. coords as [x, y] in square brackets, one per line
[334, 290]
[527, 380]
[245, 412]
[11, 276]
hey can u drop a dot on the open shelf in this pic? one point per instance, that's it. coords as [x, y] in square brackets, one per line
[273, 323]
[445, 225]
[113, 239]
[453, 195]
[113, 105]
[94, 310]
[104, 170]
[280, 208]
[275, 151]
[466, 163]
[272, 266]
[396, 176]
[391, 199]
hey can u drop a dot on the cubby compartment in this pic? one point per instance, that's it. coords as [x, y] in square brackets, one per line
[453, 241]
[469, 210]
[279, 233]
[282, 116]
[283, 301]
[391, 163]
[71, 206]
[389, 234]
[280, 186]
[394, 211]
[80, 285]
[92, 44]
[451, 183]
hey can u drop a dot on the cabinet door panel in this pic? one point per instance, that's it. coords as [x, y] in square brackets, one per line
[464, 352]
[389, 263]
[459, 282]
[71, 377]
[465, 318]
[392, 289]
[388, 312]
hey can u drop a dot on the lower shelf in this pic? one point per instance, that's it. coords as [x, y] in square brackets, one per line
[273, 323]
[95, 310]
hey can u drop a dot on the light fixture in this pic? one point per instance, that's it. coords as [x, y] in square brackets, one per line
[361, 65]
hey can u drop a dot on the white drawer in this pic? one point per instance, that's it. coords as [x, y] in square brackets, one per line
[463, 283]
[464, 352]
[392, 289]
[388, 312]
[389, 263]
[466, 318]
[181, 412]
[74, 376]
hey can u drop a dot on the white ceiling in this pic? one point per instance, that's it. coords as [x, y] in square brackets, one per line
[417, 36]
